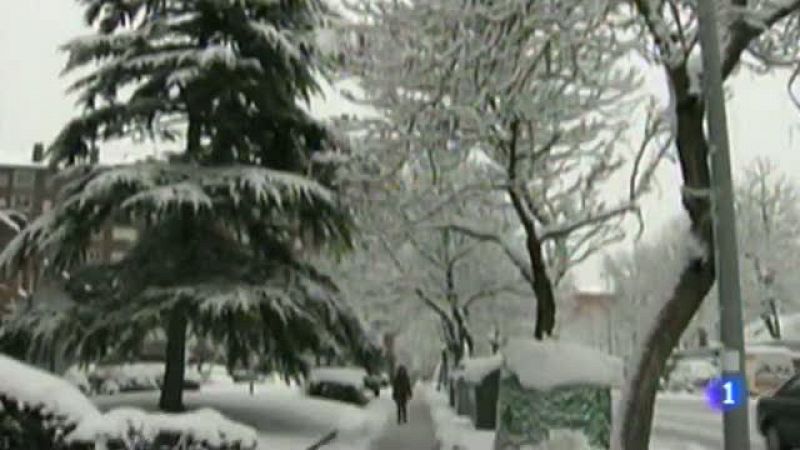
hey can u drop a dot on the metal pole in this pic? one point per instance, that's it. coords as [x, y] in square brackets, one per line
[735, 421]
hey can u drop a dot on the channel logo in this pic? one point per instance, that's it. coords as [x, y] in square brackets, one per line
[726, 393]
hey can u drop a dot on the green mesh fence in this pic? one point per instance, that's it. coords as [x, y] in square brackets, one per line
[526, 417]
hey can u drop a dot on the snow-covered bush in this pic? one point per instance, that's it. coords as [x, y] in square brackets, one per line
[37, 409]
[41, 411]
[129, 428]
[79, 378]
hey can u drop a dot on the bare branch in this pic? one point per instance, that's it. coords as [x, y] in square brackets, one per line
[588, 220]
[491, 292]
[518, 260]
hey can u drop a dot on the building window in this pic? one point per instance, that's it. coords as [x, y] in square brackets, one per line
[47, 205]
[5, 179]
[25, 179]
[117, 255]
[3, 202]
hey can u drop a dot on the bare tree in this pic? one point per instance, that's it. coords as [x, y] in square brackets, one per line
[768, 218]
[536, 93]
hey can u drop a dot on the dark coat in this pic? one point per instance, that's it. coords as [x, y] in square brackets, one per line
[401, 387]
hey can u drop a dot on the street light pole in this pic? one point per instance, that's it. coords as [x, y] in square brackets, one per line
[735, 421]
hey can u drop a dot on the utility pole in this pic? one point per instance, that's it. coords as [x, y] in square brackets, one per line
[735, 421]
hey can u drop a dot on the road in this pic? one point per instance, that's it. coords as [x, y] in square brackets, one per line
[687, 419]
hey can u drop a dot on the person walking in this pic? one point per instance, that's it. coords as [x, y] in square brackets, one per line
[401, 392]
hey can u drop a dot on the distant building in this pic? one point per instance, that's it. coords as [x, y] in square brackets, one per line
[31, 190]
[588, 320]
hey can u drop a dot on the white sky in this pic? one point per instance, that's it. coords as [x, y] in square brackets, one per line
[33, 107]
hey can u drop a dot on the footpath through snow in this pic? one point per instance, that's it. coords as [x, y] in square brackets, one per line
[417, 434]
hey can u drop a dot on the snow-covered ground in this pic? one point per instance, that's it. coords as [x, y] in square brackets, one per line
[684, 418]
[452, 431]
[284, 417]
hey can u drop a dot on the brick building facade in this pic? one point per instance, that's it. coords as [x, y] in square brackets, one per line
[31, 190]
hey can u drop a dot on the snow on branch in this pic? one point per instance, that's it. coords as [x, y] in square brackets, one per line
[163, 189]
[750, 25]
[559, 231]
[12, 219]
[518, 260]
[672, 53]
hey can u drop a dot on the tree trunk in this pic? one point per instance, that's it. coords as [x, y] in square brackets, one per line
[236, 353]
[694, 283]
[172, 389]
[542, 289]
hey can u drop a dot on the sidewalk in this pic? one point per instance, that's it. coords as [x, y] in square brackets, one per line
[417, 434]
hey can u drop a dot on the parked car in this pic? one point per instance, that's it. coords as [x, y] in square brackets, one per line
[344, 384]
[376, 382]
[779, 416]
[691, 375]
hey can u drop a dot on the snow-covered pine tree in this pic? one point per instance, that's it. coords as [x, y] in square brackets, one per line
[228, 218]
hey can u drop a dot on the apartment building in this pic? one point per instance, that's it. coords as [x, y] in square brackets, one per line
[31, 189]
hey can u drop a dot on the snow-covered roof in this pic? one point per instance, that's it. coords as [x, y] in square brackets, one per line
[348, 376]
[35, 387]
[547, 365]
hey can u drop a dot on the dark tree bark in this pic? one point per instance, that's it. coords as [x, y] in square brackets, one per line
[694, 283]
[541, 283]
[172, 390]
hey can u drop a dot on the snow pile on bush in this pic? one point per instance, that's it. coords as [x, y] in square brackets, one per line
[132, 426]
[454, 432]
[345, 376]
[547, 365]
[35, 388]
[47, 402]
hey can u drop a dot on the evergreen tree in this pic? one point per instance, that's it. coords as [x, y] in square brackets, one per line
[228, 219]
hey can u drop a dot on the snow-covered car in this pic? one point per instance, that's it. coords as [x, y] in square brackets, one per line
[344, 384]
[140, 376]
[691, 375]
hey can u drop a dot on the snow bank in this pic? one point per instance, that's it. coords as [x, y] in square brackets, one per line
[339, 375]
[452, 431]
[37, 388]
[475, 370]
[546, 365]
[205, 425]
